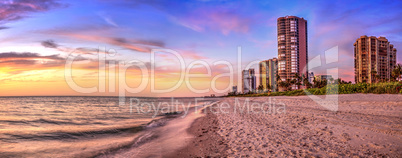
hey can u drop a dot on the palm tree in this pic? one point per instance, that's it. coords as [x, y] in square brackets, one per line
[260, 88]
[293, 82]
[331, 80]
[298, 80]
[278, 78]
[315, 83]
[282, 84]
[306, 83]
[268, 87]
[374, 75]
[288, 84]
[278, 81]
[397, 72]
[377, 78]
[323, 83]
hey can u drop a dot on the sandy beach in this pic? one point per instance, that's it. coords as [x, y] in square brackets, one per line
[364, 125]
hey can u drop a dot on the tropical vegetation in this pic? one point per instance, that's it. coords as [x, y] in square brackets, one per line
[343, 88]
[337, 86]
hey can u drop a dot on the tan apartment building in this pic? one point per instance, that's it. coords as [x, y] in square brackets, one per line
[263, 74]
[375, 58]
[268, 72]
[292, 47]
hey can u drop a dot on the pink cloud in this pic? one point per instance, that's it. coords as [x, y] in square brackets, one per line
[144, 46]
[191, 54]
[15, 10]
[224, 21]
[140, 47]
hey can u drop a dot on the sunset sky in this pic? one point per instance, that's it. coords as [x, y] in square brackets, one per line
[38, 36]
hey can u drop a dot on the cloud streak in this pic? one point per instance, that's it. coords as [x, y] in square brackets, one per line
[224, 21]
[27, 55]
[137, 45]
[16, 63]
[49, 44]
[81, 50]
[4, 27]
[223, 16]
[18, 9]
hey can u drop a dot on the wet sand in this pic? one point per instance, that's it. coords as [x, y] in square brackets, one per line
[161, 137]
[364, 125]
[206, 140]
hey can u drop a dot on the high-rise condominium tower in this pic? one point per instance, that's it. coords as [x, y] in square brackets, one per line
[263, 74]
[292, 48]
[249, 80]
[268, 72]
[375, 58]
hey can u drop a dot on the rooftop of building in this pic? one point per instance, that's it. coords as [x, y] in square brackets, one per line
[269, 60]
[379, 38]
[288, 16]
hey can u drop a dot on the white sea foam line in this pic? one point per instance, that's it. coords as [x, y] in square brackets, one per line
[206, 106]
[193, 116]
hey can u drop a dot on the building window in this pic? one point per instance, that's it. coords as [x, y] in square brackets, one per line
[281, 65]
[293, 26]
[281, 38]
[293, 39]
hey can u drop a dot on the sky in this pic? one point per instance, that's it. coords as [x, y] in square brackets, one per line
[161, 48]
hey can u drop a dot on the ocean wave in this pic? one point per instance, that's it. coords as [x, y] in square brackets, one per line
[43, 121]
[148, 135]
[72, 135]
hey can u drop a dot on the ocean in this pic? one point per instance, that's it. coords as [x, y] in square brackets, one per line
[81, 126]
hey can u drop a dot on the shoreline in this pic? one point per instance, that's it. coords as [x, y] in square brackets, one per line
[206, 142]
[161, 137]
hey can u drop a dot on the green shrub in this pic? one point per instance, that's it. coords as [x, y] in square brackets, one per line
[376, 88]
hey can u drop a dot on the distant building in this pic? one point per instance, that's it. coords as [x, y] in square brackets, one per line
[263, 74]
[268, 72]
[374, 57]
[311, 77]
[272, 72]
[323, 77]
[292, 47]
[234, 89]
[249, 80]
